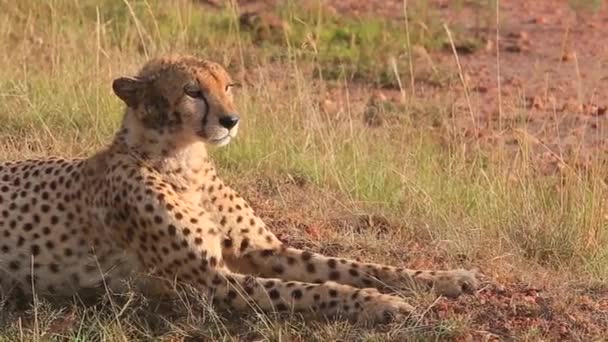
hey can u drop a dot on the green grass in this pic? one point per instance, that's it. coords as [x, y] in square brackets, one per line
[582, 6]
[55, 99]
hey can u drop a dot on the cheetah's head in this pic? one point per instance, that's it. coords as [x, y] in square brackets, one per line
[183, 96]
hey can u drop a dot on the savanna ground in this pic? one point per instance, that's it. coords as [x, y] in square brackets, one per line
[442, 134]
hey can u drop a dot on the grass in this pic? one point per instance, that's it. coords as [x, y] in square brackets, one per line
[582, 7]
[491, 208]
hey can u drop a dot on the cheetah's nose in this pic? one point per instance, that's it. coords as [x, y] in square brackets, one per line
[229, 121]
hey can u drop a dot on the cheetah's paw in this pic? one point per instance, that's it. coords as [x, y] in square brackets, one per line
[382, 308]
[453, 283]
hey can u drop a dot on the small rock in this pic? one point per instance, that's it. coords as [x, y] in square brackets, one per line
[515, 48]
[535, 102]
[480, 89]
[568, 56]
[593, 109]
[264, 26]
[538, 20]
[522, 35]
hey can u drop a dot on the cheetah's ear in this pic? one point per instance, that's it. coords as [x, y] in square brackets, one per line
[128, 89]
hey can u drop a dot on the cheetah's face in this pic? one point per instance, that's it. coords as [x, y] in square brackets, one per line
[186, 97]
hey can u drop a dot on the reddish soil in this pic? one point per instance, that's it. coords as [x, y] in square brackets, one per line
[552, 77]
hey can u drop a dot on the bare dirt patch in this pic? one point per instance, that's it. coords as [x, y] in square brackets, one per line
[543, 91]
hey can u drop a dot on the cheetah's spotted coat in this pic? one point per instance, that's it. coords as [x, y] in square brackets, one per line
[152, 202]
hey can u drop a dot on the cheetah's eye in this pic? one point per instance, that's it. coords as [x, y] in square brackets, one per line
[193, 90]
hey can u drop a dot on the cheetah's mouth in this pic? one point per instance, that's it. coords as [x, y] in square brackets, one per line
[213, 140]
[221, 141]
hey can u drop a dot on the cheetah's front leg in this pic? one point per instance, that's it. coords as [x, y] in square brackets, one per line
[252, 248]
[182, 244]
[291, 263]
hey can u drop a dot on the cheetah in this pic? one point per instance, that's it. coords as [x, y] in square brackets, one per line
[151, 202]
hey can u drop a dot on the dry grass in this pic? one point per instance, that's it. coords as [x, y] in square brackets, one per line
[445, 205]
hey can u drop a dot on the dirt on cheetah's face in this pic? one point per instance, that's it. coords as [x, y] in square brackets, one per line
[184, 96]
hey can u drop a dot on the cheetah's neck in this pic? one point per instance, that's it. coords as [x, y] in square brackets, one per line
[183, 161]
